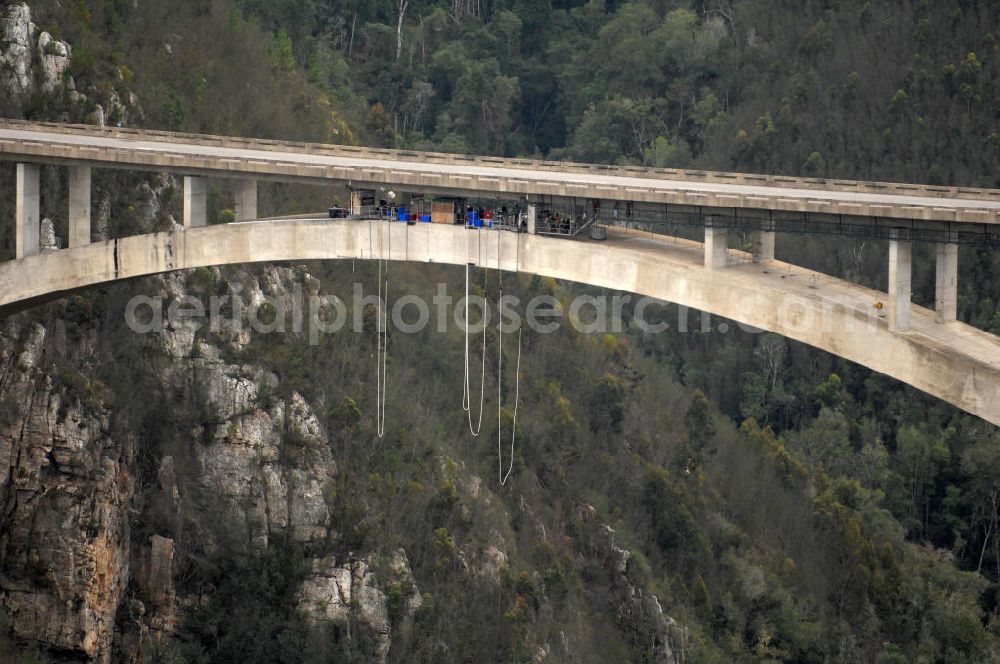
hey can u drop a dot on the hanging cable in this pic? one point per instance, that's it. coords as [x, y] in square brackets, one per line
[517, 254]
[517, 396]
[517, 383]
[382, 337]
[467, 387]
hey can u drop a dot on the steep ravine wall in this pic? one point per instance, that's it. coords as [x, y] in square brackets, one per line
[77, 577]
[124, 456]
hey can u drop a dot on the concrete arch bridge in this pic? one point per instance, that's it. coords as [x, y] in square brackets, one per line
[926, 348]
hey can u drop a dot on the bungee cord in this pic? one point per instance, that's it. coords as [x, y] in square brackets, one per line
[467, 389]
[504, 471]
[382, 344]
[517, 382]
[517, 395]
[382, 335]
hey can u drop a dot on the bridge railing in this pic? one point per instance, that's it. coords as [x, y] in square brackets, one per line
[671, 218]
[778, 181]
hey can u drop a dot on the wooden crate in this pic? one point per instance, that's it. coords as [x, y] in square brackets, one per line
[443, 212]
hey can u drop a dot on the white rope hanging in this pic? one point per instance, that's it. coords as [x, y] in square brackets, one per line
[467, 387]
[504, 476]
[382, 336]
[517, 394]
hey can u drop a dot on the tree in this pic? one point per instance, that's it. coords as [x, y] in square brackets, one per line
[830, 393]
[919, 457]
[699, 425]
[981, 462]
[401, 12]
[770, 353]
[753, 403]
[825, 444]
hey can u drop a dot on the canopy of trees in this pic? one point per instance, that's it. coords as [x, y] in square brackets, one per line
[782, 504]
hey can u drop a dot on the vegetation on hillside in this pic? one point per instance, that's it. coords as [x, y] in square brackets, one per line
[814, 513]
[781, 504]
[854, 89]
[898, 90]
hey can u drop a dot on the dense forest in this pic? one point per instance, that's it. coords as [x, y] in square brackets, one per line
[901, 90]
[776, 503]
[895, 91]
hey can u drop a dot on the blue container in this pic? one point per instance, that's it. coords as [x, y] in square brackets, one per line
[426, 218]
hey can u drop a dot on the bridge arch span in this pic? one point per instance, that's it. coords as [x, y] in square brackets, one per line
[954, 362]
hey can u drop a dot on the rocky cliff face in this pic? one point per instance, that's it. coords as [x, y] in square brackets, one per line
[33, 62]
[100, 514]
[75, 576]
[30, 61]
[336, 589]
[17, 56]
[66, 495]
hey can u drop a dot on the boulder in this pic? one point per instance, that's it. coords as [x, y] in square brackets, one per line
[54, 56]
[47, 240]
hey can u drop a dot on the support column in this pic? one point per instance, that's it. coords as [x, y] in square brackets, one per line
[532, 218]
[900, 284]
[946, 300]
[716, 245]
[79, 206]
[763, 246]
[27, 210]
[246, 200]
[195, 202]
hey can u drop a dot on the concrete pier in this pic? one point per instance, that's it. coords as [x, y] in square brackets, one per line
[900, 284]
[946, 288]
[763, 246]
[27, 210]
[716, 246]
[532, 218]
[246, 200]
[79, 205]
[195, 202]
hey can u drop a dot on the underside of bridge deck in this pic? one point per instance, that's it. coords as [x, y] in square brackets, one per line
[954, 362]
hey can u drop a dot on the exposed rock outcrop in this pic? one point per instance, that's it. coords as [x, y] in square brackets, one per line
[65, 545]
[638, 611]
[54, 58]
[155, 572]
[334, 587]
[103, 217]
[17, 56]
[29, 63]
[268, 467]
[37, 62]
[72, 578]
[47, 239]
